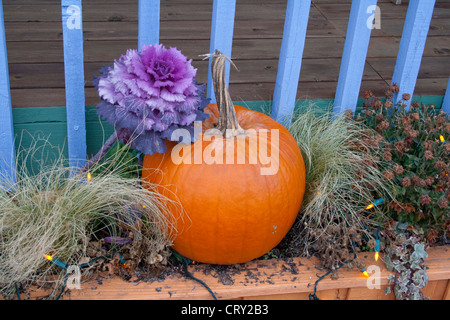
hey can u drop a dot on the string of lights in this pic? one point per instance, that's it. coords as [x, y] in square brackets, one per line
[375, 203]
[64, 266]
[187, 261]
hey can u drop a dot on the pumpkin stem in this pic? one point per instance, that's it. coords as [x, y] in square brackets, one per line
[228, 124]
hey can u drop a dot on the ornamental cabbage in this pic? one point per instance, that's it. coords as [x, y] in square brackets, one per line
[147, 95]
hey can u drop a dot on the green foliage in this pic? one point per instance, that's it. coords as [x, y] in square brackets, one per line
[122, 159]
[270, 255]
[416, 160]
[405, 257]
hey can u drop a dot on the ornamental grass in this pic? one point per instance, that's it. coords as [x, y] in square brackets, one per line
[47, 211]
[343, 177]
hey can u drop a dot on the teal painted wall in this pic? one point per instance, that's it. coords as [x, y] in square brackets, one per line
[50, 123]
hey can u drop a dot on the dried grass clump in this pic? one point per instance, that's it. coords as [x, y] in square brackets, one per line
[342, 178]
[47, 211]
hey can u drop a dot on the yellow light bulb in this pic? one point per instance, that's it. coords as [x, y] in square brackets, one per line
[370, 206]
[365, 273]
[55, 261]
[442, 138]
[143, 206]
[88, 176]
[377, 254]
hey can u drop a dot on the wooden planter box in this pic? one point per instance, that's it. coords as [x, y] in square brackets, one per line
[267, 279]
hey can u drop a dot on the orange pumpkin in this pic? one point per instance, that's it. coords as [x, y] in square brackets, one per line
[240, 199]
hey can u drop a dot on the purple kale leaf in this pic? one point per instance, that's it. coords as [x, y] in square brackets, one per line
[147, 95]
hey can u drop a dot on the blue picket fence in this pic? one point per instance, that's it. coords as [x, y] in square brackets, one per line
[359, 28]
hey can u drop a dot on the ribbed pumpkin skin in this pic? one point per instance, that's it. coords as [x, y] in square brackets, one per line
[236, 214]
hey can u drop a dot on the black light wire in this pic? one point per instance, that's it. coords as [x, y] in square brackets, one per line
[314, 296]
[186, 262]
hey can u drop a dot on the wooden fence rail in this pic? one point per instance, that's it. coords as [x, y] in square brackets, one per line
[74, 80]
[7, 151]
[363, 16]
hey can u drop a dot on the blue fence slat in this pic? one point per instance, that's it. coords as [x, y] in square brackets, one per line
[149, 15]
[289, 64]
[222, 26]
[74, 80]
[7, 150]
[357, 39]
[446, 102]
[412, 44]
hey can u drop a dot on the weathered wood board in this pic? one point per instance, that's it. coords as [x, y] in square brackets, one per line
[266, 279]
[35, 52]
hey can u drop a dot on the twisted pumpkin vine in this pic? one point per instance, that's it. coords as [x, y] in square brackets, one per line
[228, 124]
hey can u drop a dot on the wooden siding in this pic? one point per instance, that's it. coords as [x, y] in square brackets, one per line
[35, 48]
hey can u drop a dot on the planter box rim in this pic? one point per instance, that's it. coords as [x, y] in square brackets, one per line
[258, 279]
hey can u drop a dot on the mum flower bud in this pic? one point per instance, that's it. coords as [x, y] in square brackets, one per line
[425, 199]
[443, 203]
[405, 182]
